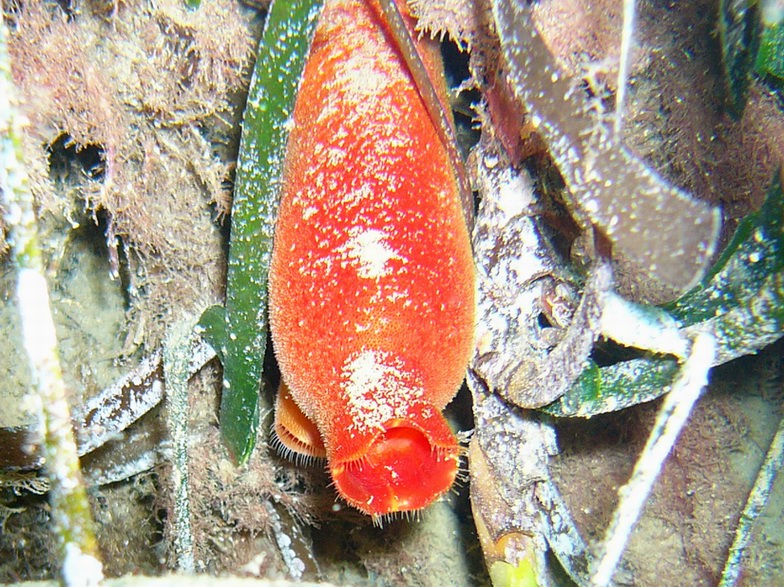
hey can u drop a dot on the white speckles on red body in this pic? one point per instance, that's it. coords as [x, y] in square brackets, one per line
[369, 251]
[377, 387]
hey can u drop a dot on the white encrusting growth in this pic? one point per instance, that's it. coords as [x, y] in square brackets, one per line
[80, 568]
[371, 252]
[362, 76]
[378, 388]
[361, 193]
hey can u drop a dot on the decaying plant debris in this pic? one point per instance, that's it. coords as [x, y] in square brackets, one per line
[134, 120]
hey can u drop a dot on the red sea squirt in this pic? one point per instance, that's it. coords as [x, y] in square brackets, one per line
[372, 279]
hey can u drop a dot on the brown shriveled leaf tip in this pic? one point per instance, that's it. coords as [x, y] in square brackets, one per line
[660, 231]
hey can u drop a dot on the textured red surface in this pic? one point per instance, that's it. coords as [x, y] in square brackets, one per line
[372, 281]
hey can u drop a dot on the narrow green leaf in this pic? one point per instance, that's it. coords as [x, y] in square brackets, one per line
[281, 58]
[739, 29]
[212, 327]
[608, 389]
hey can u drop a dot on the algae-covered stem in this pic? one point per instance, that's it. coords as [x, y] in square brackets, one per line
[176, 367]
[238, 331]
[71, 518]
[675, 410]
[758, 499]
[627, 33]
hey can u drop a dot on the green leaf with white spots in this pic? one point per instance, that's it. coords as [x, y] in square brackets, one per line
[241, 335]
[770, 57]
[599, 390]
